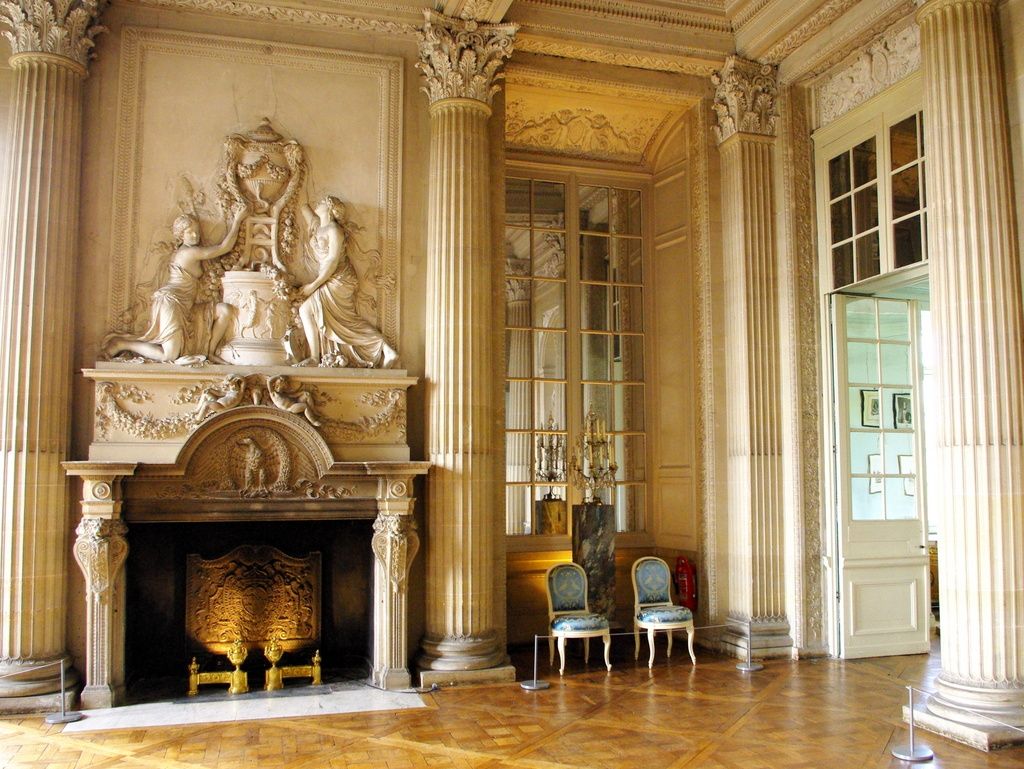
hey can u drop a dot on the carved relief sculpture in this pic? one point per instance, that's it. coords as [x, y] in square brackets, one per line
[269, 312]
[336, 335]
[174, 329]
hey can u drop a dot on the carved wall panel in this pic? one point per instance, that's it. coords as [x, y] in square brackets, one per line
[159, 406]
[884, 62]
[253, 593]
[167, 161]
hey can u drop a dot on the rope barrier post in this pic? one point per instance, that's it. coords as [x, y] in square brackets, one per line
[749, 666]
[535, 685]
[63, 717]
[911, 753]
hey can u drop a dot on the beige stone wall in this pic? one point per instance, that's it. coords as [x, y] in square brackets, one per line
[190, 105]
[1011, 20]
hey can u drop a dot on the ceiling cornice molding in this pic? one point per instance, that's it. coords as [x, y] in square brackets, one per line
[535, 77]
[844, 46]
[700, 63]
[815, 23]
[395, 26]
[712, 20]
[748, 13]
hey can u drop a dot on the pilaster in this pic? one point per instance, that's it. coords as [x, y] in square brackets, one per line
[101, 551]
[395, 545]
[461, 62]
[978, 320]
[51, 44]
[745, 105]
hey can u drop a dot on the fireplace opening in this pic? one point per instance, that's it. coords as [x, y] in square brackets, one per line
[161, 637]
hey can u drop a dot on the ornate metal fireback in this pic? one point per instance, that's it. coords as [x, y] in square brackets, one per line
[256, 593]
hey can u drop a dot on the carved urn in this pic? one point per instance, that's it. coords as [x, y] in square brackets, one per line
[261, 320]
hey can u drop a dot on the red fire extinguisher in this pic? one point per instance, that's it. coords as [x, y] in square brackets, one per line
[686, 583]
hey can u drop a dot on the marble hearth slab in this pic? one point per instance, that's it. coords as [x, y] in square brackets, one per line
[328, 700]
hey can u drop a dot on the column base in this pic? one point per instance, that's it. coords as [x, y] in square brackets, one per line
[38, 703]
[982, 738]
[500, 674]
[767, 640]
[460, 654]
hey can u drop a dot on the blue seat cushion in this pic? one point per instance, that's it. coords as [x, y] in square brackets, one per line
[580, 622]
[667, 614]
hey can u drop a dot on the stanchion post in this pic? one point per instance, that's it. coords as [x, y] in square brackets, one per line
[535, 685]
[749, 666]
[912, 753]
[62, 717]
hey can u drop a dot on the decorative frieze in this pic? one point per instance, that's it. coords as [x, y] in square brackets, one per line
[581, 132]
[746, 93]
[885, 62]
[462, 59]
[60, 28]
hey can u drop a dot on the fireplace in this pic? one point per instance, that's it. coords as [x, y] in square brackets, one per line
[163, 487]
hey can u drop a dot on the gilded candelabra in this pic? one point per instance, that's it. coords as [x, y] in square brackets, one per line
[551, 457]
[592, 466]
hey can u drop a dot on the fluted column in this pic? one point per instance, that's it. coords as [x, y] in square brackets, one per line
[977, 316]
[745, 104]
[461, 62]
[51, 44]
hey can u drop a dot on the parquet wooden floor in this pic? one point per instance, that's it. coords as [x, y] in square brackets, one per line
[814, 714]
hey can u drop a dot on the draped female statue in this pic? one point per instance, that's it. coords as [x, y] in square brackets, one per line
[170, 320]
[328, 312]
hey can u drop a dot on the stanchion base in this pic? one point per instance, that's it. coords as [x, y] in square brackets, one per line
[63, 718]
[914, 755]
[750, 667]
[533, 686]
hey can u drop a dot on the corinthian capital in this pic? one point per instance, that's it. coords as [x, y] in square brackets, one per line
[461, 58]
[746, 94]
[59, 27]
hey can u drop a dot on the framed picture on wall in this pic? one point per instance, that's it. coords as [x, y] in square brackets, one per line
[875, 469]
[902, 411]
[870, 410]
[908, 467]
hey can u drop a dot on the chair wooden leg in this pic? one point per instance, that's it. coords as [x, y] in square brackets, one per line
[608, 651]
[636, 640]
[689, 641]
[551, 651]
[561, 654]
[586, 651]
[670, 631]
[650, 642]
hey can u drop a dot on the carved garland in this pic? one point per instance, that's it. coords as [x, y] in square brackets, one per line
[392, 413]
[461, 59]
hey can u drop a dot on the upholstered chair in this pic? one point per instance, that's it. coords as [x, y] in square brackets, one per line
[569, 613]
[653, 609]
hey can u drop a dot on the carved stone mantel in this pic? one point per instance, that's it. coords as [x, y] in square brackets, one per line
[228, 444]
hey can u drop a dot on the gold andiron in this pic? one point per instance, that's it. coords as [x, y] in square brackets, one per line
[237, 679]
[275, 675]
